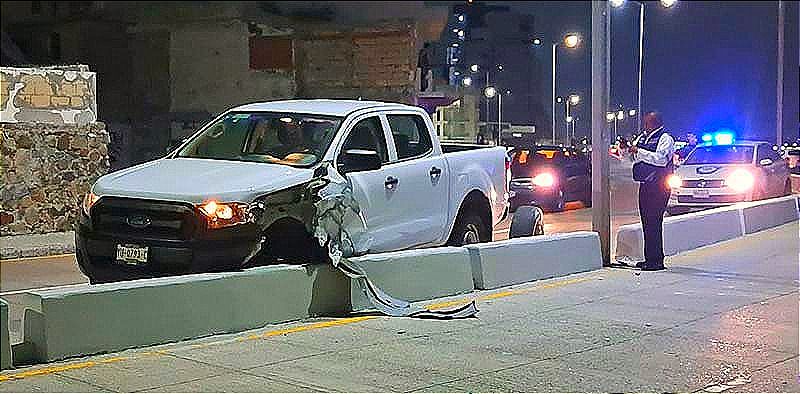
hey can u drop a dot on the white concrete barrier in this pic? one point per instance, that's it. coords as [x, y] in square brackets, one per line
[5, 340]
[415, 275]
[766, 214]
[520, 260]
[84, 319]
[687, 232]
[795, 180]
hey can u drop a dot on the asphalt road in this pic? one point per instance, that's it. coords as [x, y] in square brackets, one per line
[720, 319]
[38, 272]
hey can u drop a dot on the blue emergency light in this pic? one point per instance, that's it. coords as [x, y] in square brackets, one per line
[720, 137]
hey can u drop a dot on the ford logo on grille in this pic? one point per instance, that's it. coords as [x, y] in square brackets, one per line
[138, 221]
[707, 170]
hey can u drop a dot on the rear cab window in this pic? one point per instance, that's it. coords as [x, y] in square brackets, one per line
[410, 135]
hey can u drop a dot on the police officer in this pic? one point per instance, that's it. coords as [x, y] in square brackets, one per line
[652, 154]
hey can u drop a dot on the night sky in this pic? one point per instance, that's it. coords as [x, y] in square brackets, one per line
[708, 65]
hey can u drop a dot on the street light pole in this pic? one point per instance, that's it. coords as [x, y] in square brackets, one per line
[779, 106]
[641, 68]
[601, 190]
[499, 114]
[553, 100]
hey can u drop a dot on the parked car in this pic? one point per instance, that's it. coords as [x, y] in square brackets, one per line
[233, 193]
[548, 176]
[716, 174]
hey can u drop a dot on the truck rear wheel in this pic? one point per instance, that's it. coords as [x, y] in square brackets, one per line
[469, 229]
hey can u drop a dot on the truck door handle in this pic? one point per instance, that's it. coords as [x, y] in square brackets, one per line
[391, 182]
[435, 171]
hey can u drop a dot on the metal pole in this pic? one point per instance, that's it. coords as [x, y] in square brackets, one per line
[487, 101]
[553, 99]
[641, 68]
[601, 196]
[499, 114]
[779, 103]
[566, 124]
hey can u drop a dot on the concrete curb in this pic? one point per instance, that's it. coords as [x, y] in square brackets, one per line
[36, 245]
[415, 275]
[85, 319]
[519, 260]
[773, 213]
[687, 232]
[5, 341]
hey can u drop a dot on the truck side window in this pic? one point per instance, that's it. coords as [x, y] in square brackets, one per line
[411, 136]
[367, 134]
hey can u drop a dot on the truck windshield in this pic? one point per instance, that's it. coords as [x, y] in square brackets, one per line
[267, 137]
[721, 154]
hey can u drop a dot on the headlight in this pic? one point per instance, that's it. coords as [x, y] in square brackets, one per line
[740, 180]
[674, 181]
[88, 202]
[221, 215]
[544, 179]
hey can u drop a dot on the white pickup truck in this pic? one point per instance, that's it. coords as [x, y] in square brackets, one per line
[236, 192]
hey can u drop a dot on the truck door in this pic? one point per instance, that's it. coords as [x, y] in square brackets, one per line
[369, 188]
[419, 199]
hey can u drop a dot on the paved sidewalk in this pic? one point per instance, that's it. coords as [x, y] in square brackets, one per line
[720, 319]
[34, 245]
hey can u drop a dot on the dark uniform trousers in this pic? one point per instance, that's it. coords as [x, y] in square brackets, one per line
[653, 198]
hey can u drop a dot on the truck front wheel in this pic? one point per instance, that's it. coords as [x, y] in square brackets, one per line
[469, 229]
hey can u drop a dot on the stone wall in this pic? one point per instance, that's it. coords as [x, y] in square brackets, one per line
[47, 169]
[55, 95]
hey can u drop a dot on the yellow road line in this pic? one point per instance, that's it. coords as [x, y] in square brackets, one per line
[27, 259]
[268, 334]
[61, 368]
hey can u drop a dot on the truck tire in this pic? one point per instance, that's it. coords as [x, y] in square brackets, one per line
[527, 221]
[469, 229]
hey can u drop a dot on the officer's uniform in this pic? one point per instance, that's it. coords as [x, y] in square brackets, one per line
[652, 165]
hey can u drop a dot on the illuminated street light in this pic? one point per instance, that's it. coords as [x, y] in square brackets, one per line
[559, 99]
[456, 73]
[473, 68]
[617, 3]
[508, 92]
[537, 41]
[620, 115]
[455, 45]
[467, 81]
[668, 3]
[571, 40]
[461, 18]
[499, 67]
[574, 99]
[461, 33]
[490, 92]
[569, 119]
[632, 113]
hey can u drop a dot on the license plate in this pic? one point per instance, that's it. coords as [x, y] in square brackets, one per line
[132, 254]
[700, 193]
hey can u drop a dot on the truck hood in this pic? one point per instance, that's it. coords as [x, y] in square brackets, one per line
[197, 180]
[710, 171]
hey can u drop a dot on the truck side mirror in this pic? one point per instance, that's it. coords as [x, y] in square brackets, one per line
[356, 160]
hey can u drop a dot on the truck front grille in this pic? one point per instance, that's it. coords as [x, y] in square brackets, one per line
[723, 199]
[145, 219]
[701, 183]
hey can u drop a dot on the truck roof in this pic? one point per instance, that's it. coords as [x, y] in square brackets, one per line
[320, 107]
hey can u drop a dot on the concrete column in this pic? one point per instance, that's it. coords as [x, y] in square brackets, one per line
[601, 191]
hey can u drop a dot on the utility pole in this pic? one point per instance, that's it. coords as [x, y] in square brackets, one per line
[601, 190]
[779, 102]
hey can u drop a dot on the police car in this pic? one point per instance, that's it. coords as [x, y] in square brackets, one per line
[722, 171]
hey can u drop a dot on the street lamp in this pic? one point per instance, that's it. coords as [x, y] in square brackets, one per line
[572, 101]
[570, 41]
[537, 41]
[491, 92]
[474, 68]
[467, 81]
[620, 3]
[632, 113]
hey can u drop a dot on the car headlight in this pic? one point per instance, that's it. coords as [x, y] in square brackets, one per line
[544, 179]
[221, 215]
[88, 201]
[740, 180]
[674, 181]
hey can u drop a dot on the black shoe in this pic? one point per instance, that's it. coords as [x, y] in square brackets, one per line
[640, 264]
[653, 267]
